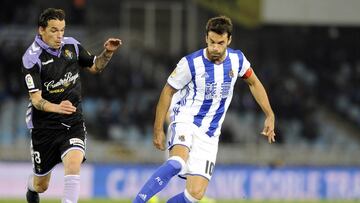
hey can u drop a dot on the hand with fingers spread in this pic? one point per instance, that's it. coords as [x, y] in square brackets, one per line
[66, 107]
[269, 128]
[111, 45]
[159, 139]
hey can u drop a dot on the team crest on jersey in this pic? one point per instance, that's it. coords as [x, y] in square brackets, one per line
[182, 138]
[231, 73]
[68, 54]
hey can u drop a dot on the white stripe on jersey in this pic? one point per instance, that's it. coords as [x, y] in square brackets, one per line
[206, 89]
[218, 76]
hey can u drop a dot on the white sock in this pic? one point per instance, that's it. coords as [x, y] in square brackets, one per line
[71, 189]
[31, 183]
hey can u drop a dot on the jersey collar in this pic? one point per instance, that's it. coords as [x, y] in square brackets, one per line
[47, 48]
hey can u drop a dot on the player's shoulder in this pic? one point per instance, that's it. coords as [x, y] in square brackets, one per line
[234, 51]
[187, 60]
[31, 56]
[236, 54]
[70, 40]
[194, 54]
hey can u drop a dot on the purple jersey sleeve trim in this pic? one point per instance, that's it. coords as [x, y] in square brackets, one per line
[31, 56]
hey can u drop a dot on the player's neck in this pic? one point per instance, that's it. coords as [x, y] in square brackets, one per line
[220, 60]
[217, 61]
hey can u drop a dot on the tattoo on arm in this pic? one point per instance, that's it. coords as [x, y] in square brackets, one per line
[41, 104]
[102, 60]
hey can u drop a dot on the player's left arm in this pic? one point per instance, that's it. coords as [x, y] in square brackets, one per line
[111, 45]
[259, 93]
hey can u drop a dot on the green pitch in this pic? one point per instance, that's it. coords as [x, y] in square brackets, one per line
[218, 201]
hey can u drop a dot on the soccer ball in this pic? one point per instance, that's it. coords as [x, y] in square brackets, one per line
[207, 200]
[154, 199]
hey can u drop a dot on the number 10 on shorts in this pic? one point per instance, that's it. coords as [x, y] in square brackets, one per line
[209, 167]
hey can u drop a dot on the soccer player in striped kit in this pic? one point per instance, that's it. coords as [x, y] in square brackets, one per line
[204, 82]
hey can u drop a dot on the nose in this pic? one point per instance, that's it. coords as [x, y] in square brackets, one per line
[60, 35]
[216, 48]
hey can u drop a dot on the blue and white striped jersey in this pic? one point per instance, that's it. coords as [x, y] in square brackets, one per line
[205, 89]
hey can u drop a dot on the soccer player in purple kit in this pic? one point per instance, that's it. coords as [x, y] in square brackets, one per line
[204, 83]
[51, 69]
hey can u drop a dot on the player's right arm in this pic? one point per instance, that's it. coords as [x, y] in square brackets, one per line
[41, 104]
[180, 77]
[161, 114]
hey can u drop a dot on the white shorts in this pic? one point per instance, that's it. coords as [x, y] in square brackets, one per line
[203, 149]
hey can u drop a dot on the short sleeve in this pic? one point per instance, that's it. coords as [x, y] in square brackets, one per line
[181, 75]
[32, 78]
[85, 58]
[244, 66]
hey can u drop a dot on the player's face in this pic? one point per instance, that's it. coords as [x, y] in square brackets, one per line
[216, 46]
[53, 33]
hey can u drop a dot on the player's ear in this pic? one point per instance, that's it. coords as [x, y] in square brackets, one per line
[229, 41]
[41, 30]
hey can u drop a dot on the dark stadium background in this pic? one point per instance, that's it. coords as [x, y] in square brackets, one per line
[305, 52]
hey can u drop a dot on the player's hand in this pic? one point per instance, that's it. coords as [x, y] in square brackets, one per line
[159, 139]
[112, 44]
[269, 128]
[66, 107]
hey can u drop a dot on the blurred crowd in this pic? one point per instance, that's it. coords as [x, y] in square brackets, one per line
[304, 69]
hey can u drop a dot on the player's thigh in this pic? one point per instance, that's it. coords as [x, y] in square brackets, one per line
[196, 186]
[72, 161]
[180, 151]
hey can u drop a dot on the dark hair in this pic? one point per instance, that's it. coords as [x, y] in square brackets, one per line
[219, 25]
[50, 14]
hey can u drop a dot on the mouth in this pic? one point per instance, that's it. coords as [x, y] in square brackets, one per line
[57, 44]
[215, 55]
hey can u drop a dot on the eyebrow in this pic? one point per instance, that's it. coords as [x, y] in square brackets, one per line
[218, 41]
[55, 28]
